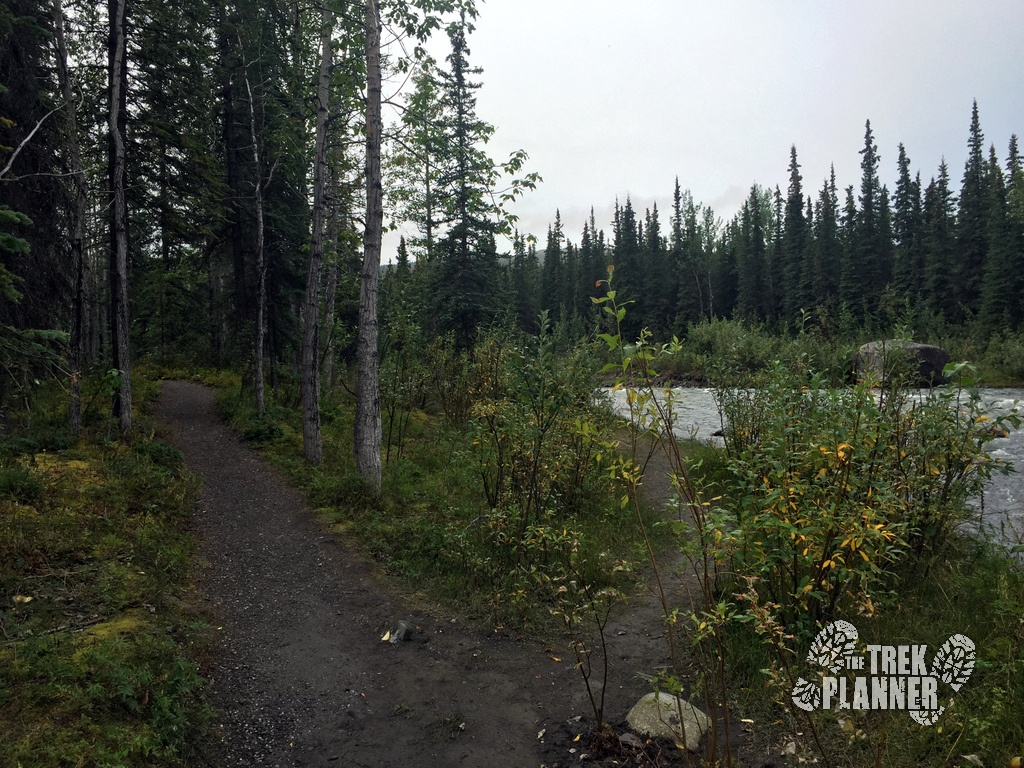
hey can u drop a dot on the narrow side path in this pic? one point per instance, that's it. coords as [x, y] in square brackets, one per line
[301, 677]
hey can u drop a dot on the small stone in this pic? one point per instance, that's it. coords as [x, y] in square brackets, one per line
[657, 715]
[630, 740]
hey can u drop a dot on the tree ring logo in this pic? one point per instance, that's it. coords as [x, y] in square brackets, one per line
[890, 676]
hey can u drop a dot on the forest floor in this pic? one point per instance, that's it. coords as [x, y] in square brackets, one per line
[299, 675]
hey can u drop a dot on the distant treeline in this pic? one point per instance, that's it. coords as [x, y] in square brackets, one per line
[920, 254]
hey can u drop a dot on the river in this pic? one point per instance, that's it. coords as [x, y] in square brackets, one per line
[1001, 507]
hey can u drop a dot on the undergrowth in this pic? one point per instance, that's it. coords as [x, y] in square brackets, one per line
[98, 656]
[495, 498]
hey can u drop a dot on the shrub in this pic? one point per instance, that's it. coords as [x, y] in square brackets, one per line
[835, 487]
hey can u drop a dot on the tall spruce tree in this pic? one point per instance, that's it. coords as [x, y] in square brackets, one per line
[908, 223]
[972, 224]
[1001, 282]
[655, 276]
[827, 251]
[551, 287]
[794, 245]
[872, 248]
[940, 247]
[466, 276]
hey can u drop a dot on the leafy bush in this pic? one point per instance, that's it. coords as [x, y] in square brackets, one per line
[835, 487]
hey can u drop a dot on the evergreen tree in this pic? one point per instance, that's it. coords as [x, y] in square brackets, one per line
[827, 250]
[851, 287]
[572, 292]
[872, 247]
[908, 223]
[466, 277]
[774, 270]
[689, 259]
[707, 273]
[1015, 220]
[1001, 282]
[551, 288]
[33, 200]
[628, 274]
[655, 276]
[972, 224]
[940, 247]
[526, 283]
[794, 245]
[750, 255]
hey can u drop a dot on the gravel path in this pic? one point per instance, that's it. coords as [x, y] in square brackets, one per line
[301, 677]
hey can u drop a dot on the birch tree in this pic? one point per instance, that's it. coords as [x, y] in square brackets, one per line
[312, 444]
[368, 419]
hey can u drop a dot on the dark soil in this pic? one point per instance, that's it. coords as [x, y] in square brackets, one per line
[300, 676]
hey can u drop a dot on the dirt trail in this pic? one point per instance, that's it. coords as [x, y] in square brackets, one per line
[301, 678]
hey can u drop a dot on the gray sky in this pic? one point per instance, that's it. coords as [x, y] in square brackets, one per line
[617, 97]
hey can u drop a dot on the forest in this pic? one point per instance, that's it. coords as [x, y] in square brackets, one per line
[201, 190]
[242, 166]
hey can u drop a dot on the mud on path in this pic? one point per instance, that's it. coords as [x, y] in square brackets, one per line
[300, 676]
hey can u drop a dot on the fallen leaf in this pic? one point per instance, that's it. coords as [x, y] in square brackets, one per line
[22, 599]
[540, 733]
[387, 636]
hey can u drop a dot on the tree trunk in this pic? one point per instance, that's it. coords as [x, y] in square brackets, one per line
[119, 217]
[78, 224]
[261, 260]
[312, 444]
[331, 288]
[368, 419]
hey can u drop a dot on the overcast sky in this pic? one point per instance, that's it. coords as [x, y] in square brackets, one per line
[618, 97]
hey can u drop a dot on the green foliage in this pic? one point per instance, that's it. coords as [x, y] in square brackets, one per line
[93, 544]
[19, 485]
[497, 489]
[543, 459]
[833, 502]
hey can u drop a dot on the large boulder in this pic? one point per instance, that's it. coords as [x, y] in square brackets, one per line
[877, 359]
[656, 715]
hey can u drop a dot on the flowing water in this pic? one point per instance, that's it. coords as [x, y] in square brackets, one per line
[1000, 509]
